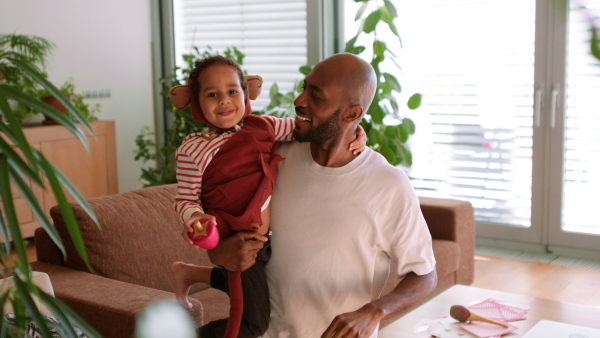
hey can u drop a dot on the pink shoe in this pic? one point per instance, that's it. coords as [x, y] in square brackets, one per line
[208, 237]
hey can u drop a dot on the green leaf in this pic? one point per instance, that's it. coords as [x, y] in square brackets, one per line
[408, 125]
[414, 101]
[403, 134]
[374, 136]
[376, 113]
[390, 7]
[305, 70]
[10, 210]
[392, 81]
[36, 208]
[46, 109]
[407, 161]
[17, 161]
[390, 131]
[65, 209]
[32, 309]
[41, 79]
[66, 317]
[15, 134]
[379, 48]
[371, 21]
[288, 98]
[361, 10]
[386, 15]
[395, 31]
[389, 154]
[595, 47]
[274, 92]
[350, 43]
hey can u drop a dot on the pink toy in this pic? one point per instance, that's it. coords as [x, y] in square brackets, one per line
[205, 234]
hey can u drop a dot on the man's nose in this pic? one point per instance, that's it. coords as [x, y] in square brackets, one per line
[300, 100]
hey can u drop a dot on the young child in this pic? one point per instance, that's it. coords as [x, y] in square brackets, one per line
[226, 175]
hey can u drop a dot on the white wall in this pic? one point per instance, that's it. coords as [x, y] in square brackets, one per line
[101, 45]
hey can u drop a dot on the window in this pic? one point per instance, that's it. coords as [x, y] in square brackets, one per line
[507, 121]
[272, 35]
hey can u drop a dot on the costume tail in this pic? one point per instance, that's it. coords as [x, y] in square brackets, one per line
[236, 300]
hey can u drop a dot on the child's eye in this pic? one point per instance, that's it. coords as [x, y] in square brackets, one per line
[211, 95]
[233, 91]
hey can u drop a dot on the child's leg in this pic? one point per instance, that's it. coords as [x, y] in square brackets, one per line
[255, 319]
[184, 275]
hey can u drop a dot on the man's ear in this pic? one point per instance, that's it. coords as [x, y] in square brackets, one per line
[254, 86]
[180, 96]
[353, 113]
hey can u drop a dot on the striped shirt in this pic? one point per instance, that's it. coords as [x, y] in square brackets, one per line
[197, 151]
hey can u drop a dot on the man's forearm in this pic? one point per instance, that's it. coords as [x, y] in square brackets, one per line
[411, 290]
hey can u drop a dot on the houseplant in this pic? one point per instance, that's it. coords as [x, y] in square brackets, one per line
[68, 90]
[17, 170]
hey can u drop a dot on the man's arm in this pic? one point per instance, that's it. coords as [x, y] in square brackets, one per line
[237, 252]
[362, 322]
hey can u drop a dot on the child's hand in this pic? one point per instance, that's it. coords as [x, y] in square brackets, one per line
[190, 225]
[357, 146]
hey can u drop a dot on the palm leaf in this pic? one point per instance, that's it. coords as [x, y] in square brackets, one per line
[23, 291]
[66, 315]
[41, 79]
[49, 171]
[9, 210]
[38, 105]
[36, 208]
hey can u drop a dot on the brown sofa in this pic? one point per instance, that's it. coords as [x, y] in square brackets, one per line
[140, 238]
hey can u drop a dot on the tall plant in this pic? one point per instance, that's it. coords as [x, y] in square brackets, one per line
[182, 124]
[387, 129]
[20, 163]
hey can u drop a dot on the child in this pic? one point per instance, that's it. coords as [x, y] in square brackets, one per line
[226, 175]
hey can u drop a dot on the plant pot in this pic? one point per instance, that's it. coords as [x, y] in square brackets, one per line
[51, 100]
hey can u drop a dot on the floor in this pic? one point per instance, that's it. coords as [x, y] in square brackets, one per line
[542, 280]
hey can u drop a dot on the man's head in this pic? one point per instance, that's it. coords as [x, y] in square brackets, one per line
[337, 93]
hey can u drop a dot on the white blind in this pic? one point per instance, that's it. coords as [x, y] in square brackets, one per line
[582, 134]
[271, 33]
[473, 61]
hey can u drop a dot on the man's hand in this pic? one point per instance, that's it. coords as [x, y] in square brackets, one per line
[360, 323]
[237, 252]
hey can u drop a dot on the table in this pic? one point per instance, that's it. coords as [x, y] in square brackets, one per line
[539, 309]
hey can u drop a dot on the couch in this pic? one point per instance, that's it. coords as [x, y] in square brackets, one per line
[140, 237]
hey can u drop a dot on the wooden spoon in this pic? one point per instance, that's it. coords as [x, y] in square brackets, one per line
[462, 314]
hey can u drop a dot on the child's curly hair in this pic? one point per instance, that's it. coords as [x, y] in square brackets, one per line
[209, 61]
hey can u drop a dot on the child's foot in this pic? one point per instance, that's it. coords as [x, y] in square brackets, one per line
[182, 281]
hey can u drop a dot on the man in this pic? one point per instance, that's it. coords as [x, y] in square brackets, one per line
[337, 219]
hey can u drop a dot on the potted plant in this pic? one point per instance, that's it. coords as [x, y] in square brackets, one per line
[20, 57]
[68, 90]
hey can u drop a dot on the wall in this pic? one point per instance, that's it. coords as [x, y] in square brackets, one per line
[101, 45]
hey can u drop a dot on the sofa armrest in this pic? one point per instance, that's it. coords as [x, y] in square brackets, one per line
[45, 249]
[108, 305]
[453, 220]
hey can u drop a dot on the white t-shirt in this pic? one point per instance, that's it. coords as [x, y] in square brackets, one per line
[334, 231]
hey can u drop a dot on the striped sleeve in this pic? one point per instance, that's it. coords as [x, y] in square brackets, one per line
[189, 186]
[284, 127]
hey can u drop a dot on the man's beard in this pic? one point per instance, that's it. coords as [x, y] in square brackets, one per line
[323, 132]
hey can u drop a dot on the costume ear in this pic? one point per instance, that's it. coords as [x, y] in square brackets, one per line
[180, 96]
[254, 86]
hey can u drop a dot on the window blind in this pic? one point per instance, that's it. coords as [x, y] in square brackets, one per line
[272, 35]
[582, 131]
[473, 62]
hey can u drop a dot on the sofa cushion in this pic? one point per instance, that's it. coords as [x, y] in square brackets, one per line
[138, 239]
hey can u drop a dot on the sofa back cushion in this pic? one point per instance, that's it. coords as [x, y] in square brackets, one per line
[138, 239]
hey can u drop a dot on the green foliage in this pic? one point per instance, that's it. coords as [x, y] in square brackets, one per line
[163, 156]
[68, 90]
[35, 50]
[595, 43]
[386, 137]
[22, 166]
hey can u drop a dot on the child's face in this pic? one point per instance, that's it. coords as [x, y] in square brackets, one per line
[221, 96]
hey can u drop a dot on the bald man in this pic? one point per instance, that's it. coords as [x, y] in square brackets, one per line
[337, 220]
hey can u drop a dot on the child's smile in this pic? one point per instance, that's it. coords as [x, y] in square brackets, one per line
[221, 96]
